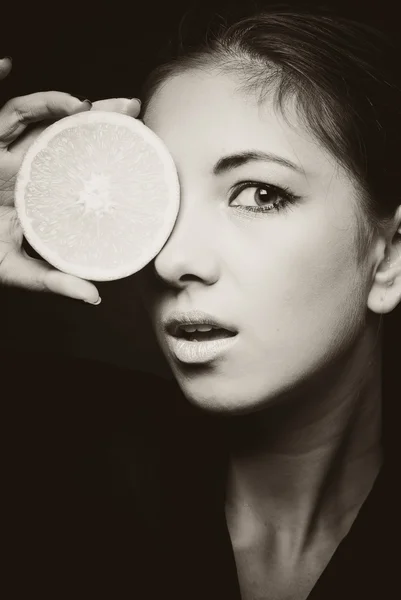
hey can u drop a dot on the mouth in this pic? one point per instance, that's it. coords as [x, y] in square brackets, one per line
[197, 337]
[202, 333]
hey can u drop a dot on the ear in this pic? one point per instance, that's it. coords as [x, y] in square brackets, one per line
[385, 293]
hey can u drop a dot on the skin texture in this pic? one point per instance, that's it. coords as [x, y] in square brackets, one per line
[289, 282]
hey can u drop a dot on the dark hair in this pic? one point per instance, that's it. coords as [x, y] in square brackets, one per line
[344, 74]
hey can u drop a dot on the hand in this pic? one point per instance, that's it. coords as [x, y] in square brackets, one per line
[16, 267]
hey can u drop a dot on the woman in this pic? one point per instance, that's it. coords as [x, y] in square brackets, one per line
[269, 482]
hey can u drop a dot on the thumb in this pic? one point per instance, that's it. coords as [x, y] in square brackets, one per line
[21, 270]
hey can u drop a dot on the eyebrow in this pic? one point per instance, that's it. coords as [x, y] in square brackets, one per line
[233, 161]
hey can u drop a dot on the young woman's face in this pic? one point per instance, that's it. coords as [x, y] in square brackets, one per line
[265, 243]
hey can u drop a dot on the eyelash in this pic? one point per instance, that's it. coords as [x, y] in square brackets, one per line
[287, 198]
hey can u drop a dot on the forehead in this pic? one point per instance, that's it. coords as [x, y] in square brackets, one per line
[209, 114]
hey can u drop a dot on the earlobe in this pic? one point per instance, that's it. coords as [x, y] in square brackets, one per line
[385, 293]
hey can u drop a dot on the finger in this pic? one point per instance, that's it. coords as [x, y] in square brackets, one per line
[37, 275]
[5, 66]
[19, 112]
[25, 141]
[126, 106]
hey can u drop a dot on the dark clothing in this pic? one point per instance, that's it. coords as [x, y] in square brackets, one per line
[114, 488]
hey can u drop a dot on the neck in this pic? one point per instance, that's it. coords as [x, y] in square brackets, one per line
[308, 463]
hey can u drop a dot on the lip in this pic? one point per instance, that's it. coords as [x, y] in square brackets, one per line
[194, 317]
[197, 352]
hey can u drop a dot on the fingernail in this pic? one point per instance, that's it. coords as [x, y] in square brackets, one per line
[86, 101]
[138, 100]
[98, 301]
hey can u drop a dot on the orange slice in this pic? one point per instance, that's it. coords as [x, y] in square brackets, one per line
[97, 195]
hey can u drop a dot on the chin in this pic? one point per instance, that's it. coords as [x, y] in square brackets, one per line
[219, 395]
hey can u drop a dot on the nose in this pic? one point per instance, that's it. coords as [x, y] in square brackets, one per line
[190, 253]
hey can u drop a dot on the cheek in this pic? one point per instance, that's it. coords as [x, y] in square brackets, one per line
[146, 285]
[305, 274]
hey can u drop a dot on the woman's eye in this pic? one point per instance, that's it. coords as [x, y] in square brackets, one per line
[261, 197]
